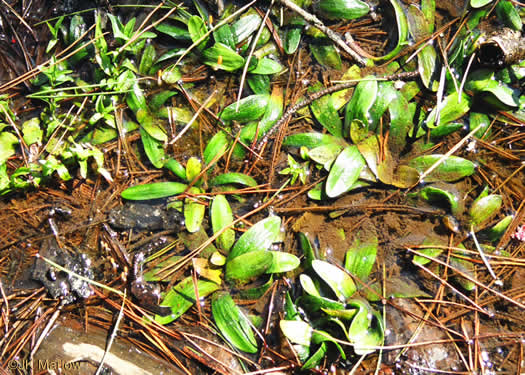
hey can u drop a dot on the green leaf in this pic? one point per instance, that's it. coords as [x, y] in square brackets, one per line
[233, 178]
[311, 140]
[197, 28]
[465, 266]
[451, 169]
[344, 172]
[267, 66]
[316, 358]
[338, 280]
[362, 100]
[360, 258]
[153, 191]
[451, 109]
[182, 296]
[259, 237]
[248, 266]
[369, 149]
[159, 99]
[232, 323]
[147, 60]
[222, 57]
[193, 211]
[283, 262]
[508, 14]
[246, 26]
[480, 121]
[193, 168]
[484, 209]
[297, 331]
[366, 330]
[292, 38]
[250, 108]
[325, 154]
[216, 146]
[176, 167]
[259, 83]
[153, 148]
[479, 3]
[324, 111]
[224, 35]
[148, 123]
[402, 31]
[308, 285]
[342, 9]
[32, 133]
[400, 123]
[499, 228]
[429, 250]
[313, 304]
[221, 217]
[177, 33]
[325, 53]
[434, 194]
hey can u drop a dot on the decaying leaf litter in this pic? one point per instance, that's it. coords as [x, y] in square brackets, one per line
[339, 184]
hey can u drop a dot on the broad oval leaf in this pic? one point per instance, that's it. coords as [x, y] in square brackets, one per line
[325, 154]
[362, 100]
[324, 111]
[147, 122]
[360, 258]
[283, 262]
[153, 148]
[325, 53]
[217, 145]
[182, 296]
[246, 26]
[479, 3]
[344, 172]
[429, 250]
[222, 57]
[176, 167]
[193, 212]
[451, 109]
[248, 266]
[267, 66]
[153, 191]
[308, 285]
[311, 140]
[197, 28]
[233, 178]
[342, 9]
[221, 217]
[193, 168]
[259, 237]
[316, 358]
[7, 143]
[338, 280]
[250, 108]
[366, 331]
[297, 331]
[508, 14]
[232, 323]
[482, 210]
[451, 169]
[434, 194]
